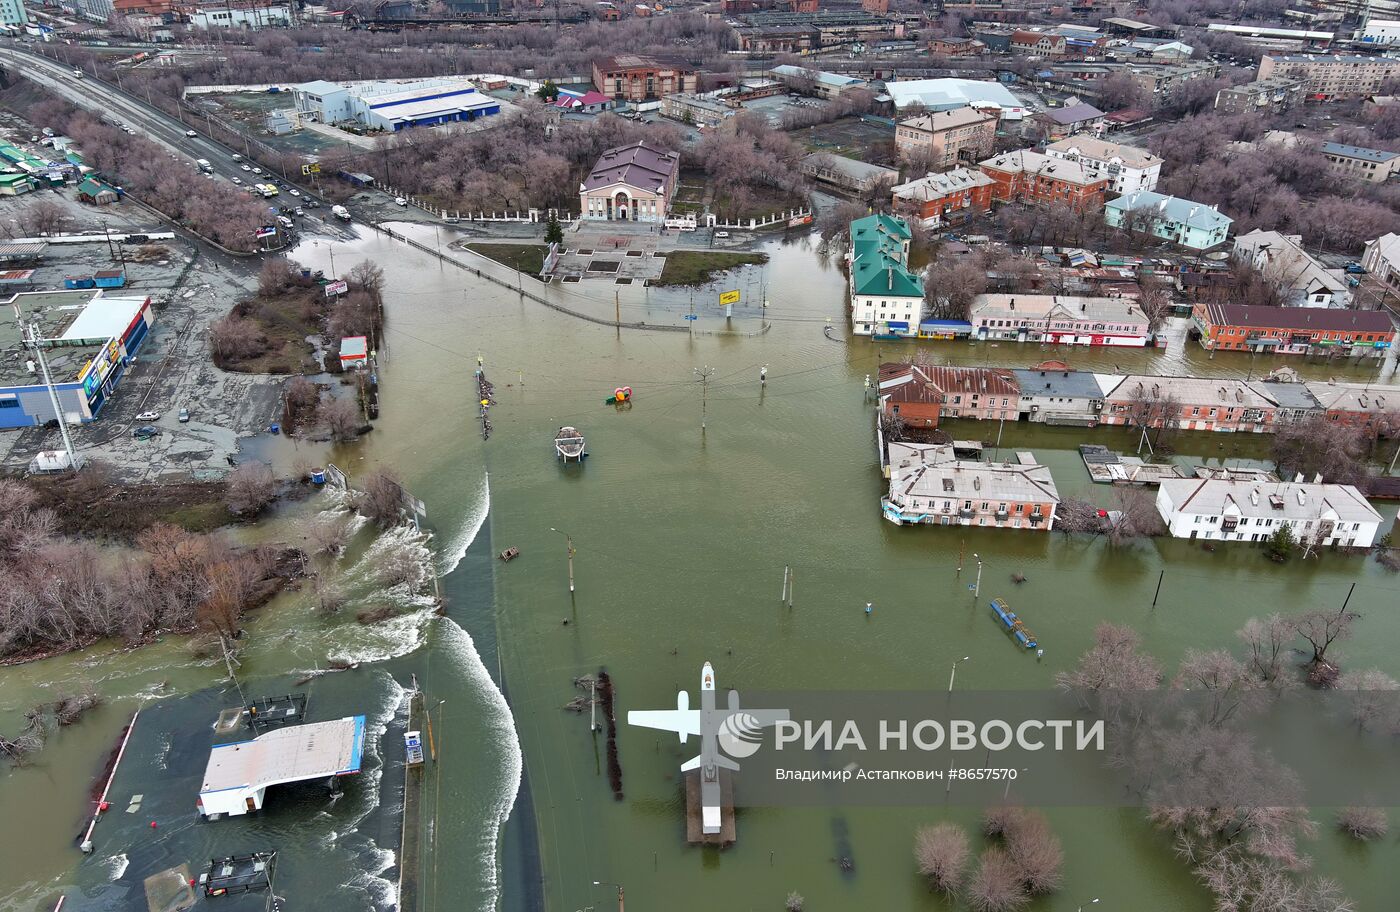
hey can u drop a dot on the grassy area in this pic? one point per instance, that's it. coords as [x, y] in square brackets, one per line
[696, 267]
[757, 203]
[285, 320]
[528, 258]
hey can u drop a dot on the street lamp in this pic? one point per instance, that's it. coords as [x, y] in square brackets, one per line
[1091, 902]
[608, 883]
[954, 673]
[977, 589]
[570, 544]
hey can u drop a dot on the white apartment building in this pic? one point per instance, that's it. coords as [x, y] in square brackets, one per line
[1126, 168]
[1223, 509]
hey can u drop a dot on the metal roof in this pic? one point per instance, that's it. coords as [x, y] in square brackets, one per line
[1345, 151]
[1062, 384]
[1268, 500]
[1087, 147]
[1302, 319]
[291, 754]
[1174, 209]
[930, 470]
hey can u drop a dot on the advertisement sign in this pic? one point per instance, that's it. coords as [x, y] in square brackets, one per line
[338, 287]
[310, 169]
[729, 297]
[799, 221]
[266, 231]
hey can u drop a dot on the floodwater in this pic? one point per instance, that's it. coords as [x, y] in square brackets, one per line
[682, 535]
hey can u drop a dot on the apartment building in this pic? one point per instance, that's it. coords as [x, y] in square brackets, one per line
[1332, 77]
[1225, 509]
[1299, 275]
[1275, 95]
[1037, 44]
[922, 394]
[946, 198]
[1189, 404]
[1059, 319]
[930, 485]
[1040, 180]
[1126, 168]
[945, 139]
[1293, 330]
[1359, 405]
[887, 300]
[1190, 224]
[1382, 260]
[1373, 165]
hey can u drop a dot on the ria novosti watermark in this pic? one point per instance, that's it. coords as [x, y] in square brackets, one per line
[1252, 748]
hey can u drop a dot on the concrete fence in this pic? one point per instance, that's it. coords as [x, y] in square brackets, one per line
[714, 221]
[526, 216]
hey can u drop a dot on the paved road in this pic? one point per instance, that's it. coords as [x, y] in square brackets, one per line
[114, 104]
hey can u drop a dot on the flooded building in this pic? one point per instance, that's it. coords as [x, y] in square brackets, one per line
[1060, 319]
[1189, 404]
[1293, 330]
[1223, 509]
[921, 394]
[930, 485]
[239, 774]
[887, 300]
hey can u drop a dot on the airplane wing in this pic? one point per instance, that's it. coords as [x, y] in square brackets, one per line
[720, 760]
[684, 722]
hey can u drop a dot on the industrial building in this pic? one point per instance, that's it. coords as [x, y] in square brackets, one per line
[88, 338]
[948, 94]
[391, 106]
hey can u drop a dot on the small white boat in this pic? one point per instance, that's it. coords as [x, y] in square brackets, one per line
[568, 443]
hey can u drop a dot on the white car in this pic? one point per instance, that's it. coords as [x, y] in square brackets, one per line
[257, 170]
[238, 180]
[294, 192]
[247, 168]
[721, 234]
[148, 416]
[191, 133]
[401, 201]
[238, 157]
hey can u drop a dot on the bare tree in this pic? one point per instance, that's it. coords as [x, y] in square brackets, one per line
[952, 284]
[1136, 516]
[1224, 680]
[235, 339]
[329, 534]
[382, 500]
[1155, 303]
[276, 275]
[1372, 700]
[1323, 628]
[251, 488]
[997, 886]
[1113, 663]
[342, 418]
[1074, 514]
[44, 218]
[941, 852]
[794, 902]
[1363, 823]
[1266, 641]
[1316, 446]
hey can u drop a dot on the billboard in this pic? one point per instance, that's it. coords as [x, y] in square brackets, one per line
[729, 297]
[338, 287]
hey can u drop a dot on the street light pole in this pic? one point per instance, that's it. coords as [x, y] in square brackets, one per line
[605, 883]
[1091, 902]
[977, 588]
[954, 673]
[569, 543]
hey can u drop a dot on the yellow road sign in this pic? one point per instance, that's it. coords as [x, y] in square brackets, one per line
[729, 297]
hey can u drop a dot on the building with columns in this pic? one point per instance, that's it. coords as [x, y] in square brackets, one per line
[631, 183]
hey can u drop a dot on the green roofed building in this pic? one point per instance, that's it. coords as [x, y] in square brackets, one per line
[887, 300]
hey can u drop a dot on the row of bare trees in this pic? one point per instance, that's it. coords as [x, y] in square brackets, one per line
[218, 210]
[58, 593]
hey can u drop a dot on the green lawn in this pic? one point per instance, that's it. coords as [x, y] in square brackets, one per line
[528, 258]
[696, 267]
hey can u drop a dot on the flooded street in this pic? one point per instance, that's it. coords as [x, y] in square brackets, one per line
[681, 537]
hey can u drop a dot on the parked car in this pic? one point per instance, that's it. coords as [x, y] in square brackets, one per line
[148, 416]
[184, 415]
[191, 133]
[146, 432]
[721, 234]
[401, 201]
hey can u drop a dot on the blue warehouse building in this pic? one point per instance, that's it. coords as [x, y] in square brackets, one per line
[392, 106]
[89, 338]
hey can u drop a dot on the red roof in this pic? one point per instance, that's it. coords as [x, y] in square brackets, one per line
[1302, 319]
[587, 99]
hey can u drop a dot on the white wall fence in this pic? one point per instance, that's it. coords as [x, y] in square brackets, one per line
[531, 216]
[714, 221]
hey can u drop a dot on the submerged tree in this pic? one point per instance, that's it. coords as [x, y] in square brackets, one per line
[941, 852]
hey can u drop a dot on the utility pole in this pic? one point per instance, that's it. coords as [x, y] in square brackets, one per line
[977, 588]
[703, 375]
[34, 342]
[617, 311]
[568, 543]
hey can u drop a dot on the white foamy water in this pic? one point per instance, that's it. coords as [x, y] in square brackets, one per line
[499, 717]
[471, 526]
[116, 866]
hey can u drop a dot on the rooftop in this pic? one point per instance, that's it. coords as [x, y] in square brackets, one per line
[936, 186]
[1103, 150]
[950, 119]
[1066, 384]
[1276, 500]
[642, 61]
[877, 258]
[58, 314]
[930, 470]
[902, 382]
[640, 165]
[1309, 319]
[836, 80]
[1338, 59]
[1359, 152]
[291, 754]
[942, 94]
[1190, 391]
[1028, 161]
[850, 166]
[1038, 306]
[1174, 209]
[1353, 397]
[1073, 114]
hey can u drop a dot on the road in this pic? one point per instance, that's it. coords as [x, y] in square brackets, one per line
[113, 104]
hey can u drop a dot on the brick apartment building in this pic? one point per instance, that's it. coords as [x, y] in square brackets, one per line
[1276, 95]
[635, 77]
[1040, 180]
[1332, 78]
[1037, 44]
[923, 394]
[944, 139]
[944, 199]
[1293, 330]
